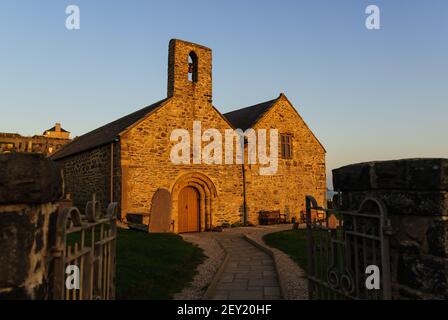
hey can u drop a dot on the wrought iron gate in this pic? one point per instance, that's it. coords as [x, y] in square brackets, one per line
[87, 242]
[338, 257]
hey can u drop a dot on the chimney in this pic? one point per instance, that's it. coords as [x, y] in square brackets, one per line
[57, 127]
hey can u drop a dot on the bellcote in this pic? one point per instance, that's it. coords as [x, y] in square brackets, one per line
[189, 70]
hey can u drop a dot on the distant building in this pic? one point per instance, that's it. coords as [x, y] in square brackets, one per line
[47, 143]
[57, 132]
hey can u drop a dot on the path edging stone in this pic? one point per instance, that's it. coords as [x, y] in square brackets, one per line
[211, 287]
[269, 252]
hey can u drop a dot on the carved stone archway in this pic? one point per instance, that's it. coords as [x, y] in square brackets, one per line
[207, 197]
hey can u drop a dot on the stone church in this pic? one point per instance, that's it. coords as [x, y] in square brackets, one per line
[128, 160]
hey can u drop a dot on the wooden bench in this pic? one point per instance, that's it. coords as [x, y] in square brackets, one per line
[317, 216]
[269, 217]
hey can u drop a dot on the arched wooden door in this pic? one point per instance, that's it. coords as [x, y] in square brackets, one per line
[188, 210]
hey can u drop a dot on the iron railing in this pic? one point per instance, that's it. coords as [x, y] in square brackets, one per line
[89, 243]
[338, 256]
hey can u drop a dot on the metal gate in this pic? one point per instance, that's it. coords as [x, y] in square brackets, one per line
[87, 242]
[338, 257]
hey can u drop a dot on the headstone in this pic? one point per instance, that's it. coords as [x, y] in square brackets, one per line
[160, 219]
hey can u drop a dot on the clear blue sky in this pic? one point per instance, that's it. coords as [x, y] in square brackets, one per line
[367, 95]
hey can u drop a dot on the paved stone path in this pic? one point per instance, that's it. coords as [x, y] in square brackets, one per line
[249, 274]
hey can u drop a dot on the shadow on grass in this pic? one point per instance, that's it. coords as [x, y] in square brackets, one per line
[150, 266]
[153, 265]
[291, 242]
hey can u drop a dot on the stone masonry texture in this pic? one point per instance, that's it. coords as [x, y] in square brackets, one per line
[296, 178]
[415, 193]
[89, 172]
[21, 179]
[30, 187]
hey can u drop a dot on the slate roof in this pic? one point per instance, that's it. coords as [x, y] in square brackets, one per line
[240, 119]
[54, 129]
[246, 117]
[104, 134]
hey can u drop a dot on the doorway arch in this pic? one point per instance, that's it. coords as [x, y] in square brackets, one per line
[206, 193]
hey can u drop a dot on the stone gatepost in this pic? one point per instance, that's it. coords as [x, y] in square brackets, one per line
[30, 186]
[415, 192]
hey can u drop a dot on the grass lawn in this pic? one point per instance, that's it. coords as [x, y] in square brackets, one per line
[151, 266]
[291, 242]
[154, 265]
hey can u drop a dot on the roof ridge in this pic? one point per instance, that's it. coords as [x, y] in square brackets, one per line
[246, 117]
[255, 105]
[104, 134]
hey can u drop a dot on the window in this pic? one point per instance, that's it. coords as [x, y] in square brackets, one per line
[286, 146]
[192, 67]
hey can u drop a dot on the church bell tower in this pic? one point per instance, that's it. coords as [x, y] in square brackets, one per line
[189, 70]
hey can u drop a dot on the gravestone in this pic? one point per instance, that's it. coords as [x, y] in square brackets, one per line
[160, 219]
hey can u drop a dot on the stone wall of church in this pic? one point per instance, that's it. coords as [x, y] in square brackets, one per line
[89, 172]
[302, 175]
[146, 164]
